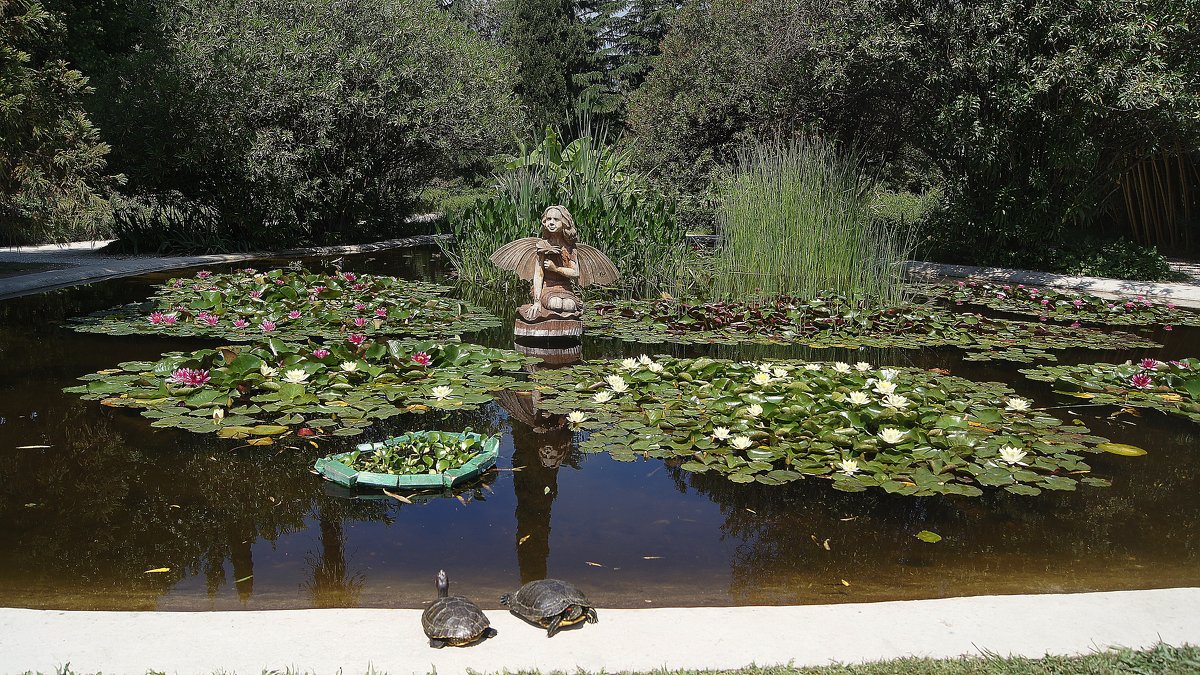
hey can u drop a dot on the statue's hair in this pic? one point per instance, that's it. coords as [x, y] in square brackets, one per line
[569, 233]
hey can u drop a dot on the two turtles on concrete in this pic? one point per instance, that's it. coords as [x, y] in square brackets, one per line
[456, 621]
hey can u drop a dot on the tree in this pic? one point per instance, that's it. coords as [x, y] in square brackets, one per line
[551, 46]
[52, 163]
[318, 120]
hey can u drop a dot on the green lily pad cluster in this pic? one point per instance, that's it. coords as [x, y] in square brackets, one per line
[838, 322]
[1065, 306]
[428, 453]
[258, 392]
[1170, 386]
[903, 430]
[292, 304]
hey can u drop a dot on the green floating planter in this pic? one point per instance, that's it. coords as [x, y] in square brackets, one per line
[334, 469]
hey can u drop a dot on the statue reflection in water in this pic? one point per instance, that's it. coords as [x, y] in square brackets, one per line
[542, 442]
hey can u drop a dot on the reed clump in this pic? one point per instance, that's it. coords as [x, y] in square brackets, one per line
[796, 219]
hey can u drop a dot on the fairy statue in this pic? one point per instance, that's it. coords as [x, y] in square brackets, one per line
[553, 262]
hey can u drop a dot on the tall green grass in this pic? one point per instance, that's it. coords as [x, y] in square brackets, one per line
[796, 219]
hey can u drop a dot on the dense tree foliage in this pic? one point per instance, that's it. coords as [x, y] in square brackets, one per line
[1028, 110]
[552, 47]
[52, 162]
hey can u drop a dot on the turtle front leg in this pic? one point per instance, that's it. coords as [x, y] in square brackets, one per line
[591, 615]
[436, 643]
[553, 626]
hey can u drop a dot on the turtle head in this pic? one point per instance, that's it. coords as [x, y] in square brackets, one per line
[443, 584]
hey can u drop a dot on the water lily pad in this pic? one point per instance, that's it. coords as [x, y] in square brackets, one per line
[1170, 386]
[928, 537]
[1122, 449]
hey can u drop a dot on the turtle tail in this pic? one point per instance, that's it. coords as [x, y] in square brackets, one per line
[506, 599]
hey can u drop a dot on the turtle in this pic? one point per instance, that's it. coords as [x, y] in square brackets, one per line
[453, 620]
[551, 603]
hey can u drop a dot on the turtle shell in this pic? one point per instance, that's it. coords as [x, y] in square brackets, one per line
[454, 619]
[543, 599]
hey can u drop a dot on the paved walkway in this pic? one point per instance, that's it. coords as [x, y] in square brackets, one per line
[355, 640]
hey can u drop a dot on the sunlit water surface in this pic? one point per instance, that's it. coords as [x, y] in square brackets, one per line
[111, 497]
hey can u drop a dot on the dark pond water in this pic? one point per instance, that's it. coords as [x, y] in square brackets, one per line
[83, 520]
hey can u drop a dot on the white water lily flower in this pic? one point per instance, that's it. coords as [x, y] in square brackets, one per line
[349, 366]
[620, 387]
[895, 401]
[761, 378]
[441, 393]
[645, 360]
[885, 387]
[862, 366]
[764, 367]
[629, 364]
[655, 367]
[858, 398]
[295, 376]
[1016, 404]
[268, 371]
[812, 366]
[888, 374]
[576, 417]
[720, 434]
[617, 383]
[779, 373]
[741, 442]
[841, 368]
[891, 436]
[218, 415]
[1011, 455]
[848, 466]
[754, 410]
[602, 396]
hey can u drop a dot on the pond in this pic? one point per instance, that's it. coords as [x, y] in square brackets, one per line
[100, 510]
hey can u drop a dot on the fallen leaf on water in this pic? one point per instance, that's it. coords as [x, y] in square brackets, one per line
[175, 506]
[546, 490]
[157, 570]
[593, 564]
[314, 444]
[825, 545]
[753, 511]
[928, 537]
[1122, 449]
[849, 518]
[33, 447]
[651, 557]
[460, 499]
[522, 540]
[845, 583]
[262, 440]
[1173, 398]
[246, 578]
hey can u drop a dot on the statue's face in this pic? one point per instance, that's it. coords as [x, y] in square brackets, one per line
[552, 221]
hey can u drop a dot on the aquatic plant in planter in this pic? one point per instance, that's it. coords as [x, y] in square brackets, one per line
[1170, 386]
[420, 460]
[1065, 305]
[258, 392]
[903, 430]
[250, 305]
[836, 321]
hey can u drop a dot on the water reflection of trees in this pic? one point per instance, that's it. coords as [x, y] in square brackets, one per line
[112, 498]
[1141, 533]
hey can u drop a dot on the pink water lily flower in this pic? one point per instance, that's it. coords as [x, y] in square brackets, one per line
[358, 307]
[211, 319]
[178, 283]
[240, 323]
[1077, 302]
[1149, 364]
[1141, 381]
[169, 319]
[349, 276]
[422, 359]
[1170, 305]
[266, 326]
[197, 287]
[381, 312]
[1075, 325]
[280, 282]
[357, 339]
[204, 274]
[156, 318]
[250, 270]
[359, 287]
[360, 321]
[256, 294]
[294, 314]
[317, 290]
[320, 353]
[189, 377]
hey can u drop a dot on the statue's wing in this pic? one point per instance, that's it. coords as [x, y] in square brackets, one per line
[594, 266]
[518, 256]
